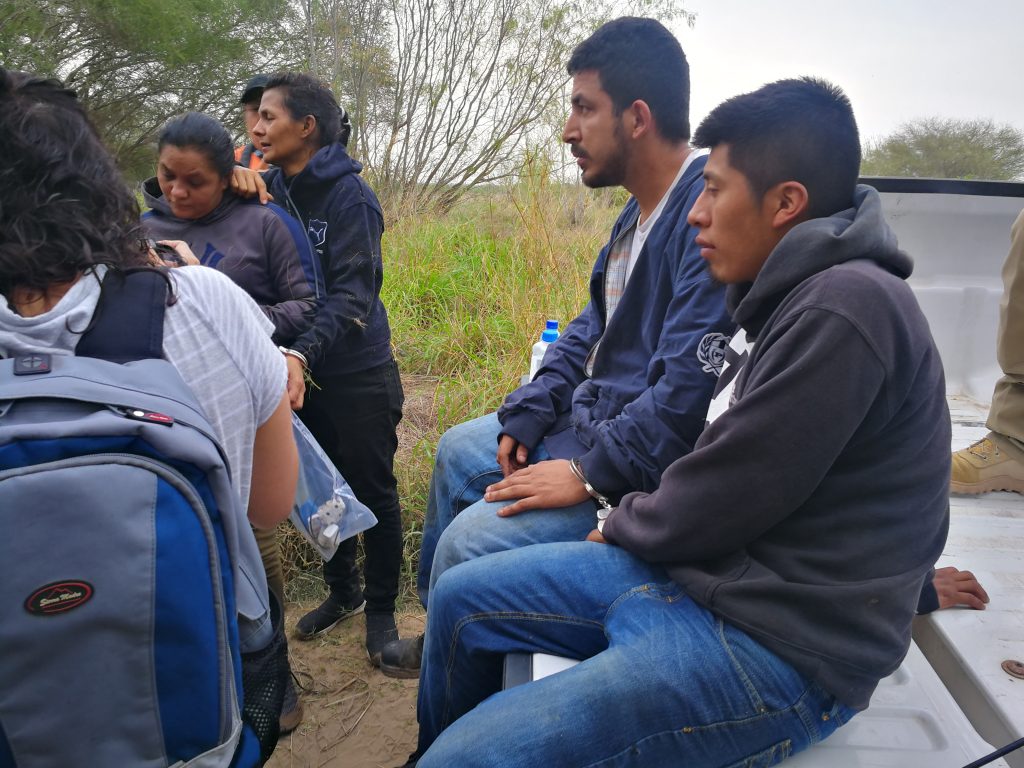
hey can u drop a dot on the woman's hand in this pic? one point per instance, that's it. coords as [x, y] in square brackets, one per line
[246, 182]
[185, 256]
[296, 382]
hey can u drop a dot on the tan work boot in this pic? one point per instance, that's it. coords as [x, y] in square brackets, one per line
[991, 464]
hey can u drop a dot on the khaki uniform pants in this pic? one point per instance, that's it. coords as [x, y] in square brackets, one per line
[1007, 413]
[270, 553]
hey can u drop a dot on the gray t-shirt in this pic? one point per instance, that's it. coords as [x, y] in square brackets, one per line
[219, 341]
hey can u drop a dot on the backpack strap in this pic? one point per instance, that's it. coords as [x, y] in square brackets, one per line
[128, 323]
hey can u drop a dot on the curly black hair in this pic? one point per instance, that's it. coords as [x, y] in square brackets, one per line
[64, 206]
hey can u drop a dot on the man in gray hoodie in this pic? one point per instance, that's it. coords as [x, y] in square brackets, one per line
[749, 606]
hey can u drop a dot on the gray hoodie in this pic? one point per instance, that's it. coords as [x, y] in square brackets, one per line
[810, 512]
[260, 247]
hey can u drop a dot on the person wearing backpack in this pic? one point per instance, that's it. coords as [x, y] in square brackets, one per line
[69, 230]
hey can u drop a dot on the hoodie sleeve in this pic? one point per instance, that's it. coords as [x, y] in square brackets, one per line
[294, 271]
[351, 275]
[767, 453]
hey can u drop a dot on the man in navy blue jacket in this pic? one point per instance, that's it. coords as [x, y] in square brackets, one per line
[624, 391]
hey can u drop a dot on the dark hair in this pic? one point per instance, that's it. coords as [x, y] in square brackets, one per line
[253, 89]
[791, 130]
[194, 130]
[638, 58]
[305, 95]
[63, 204]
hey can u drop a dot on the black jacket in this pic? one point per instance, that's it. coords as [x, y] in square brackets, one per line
[343, 220]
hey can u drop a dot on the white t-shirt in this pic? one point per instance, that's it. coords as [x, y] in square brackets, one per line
[219, 340]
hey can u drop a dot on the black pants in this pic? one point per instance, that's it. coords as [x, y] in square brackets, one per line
[353, 416]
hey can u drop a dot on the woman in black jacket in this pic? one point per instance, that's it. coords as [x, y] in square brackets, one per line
[355, 402]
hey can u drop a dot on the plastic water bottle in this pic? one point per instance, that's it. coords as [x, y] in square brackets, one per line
[537, 356]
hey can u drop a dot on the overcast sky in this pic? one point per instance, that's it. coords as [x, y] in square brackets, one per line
[897, 59]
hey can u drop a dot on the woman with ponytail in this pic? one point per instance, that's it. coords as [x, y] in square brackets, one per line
[355, 402]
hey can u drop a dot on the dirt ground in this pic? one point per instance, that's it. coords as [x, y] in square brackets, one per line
[355, 717]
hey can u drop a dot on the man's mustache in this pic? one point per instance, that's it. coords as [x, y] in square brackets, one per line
[575, 150]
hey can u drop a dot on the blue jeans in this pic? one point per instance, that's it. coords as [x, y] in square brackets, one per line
[460, 526]
[665, 682]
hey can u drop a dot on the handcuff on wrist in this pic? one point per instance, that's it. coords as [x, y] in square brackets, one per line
[297, 355]
[605, 505]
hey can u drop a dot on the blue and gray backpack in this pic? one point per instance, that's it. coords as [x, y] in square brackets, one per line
[118, 632]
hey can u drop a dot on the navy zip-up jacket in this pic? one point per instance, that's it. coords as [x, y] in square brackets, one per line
[653, 376]
[343, 220]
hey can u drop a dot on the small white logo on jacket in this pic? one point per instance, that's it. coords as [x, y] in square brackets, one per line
[317, 232]
[711, 352]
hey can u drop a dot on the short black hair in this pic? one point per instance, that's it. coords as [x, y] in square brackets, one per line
[205, 134]
[306, 95]
[791, 130]
[253, 89]
[639, 58]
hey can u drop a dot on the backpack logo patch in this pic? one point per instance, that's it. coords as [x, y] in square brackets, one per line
[58, 597]
[317, 231]
[711, 352]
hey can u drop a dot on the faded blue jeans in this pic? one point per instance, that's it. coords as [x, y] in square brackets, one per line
[460, 526]
[665, 683]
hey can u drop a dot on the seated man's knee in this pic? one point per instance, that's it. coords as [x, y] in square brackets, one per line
[479, 434]
[456, 544]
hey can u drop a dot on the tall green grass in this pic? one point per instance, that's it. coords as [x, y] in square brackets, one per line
[467, 294]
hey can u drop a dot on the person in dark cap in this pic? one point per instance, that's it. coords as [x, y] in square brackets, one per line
[249, 155]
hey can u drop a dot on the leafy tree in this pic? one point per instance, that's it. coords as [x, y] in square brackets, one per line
[135, 63]
[948, 149]
[448, 94]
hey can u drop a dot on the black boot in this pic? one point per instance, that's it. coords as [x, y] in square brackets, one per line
[380, 632]
[402, 657]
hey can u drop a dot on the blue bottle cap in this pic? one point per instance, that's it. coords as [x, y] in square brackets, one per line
[549, 335]
[551, 325]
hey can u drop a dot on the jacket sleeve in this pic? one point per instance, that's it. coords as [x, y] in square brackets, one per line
[295, 273]
[631, 451]
[733, 487]
[530, 411]
[351, 277]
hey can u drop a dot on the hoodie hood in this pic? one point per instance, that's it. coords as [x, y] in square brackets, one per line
[813, 246]
[328, 165]
[154, 199]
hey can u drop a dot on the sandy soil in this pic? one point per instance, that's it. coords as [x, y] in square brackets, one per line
[355, 717]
